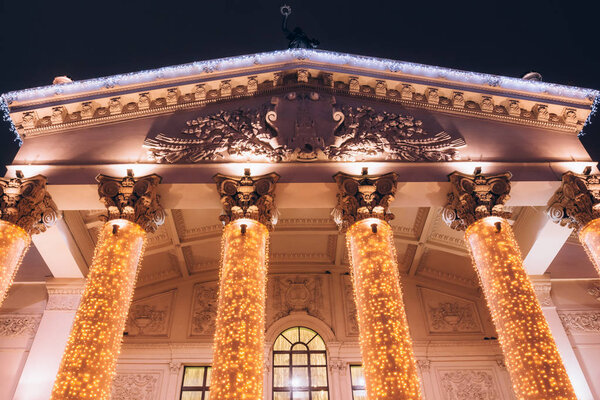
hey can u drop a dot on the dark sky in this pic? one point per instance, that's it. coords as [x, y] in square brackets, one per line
[87, 39]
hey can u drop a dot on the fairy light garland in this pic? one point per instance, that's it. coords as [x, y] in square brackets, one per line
[14, 242]
[387, 353]
[589, 236]
[237, 368]
[89, 362]
[531, 356]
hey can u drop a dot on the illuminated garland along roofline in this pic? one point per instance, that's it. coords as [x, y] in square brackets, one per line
[299, 56]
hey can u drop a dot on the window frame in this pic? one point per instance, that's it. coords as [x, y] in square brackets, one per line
[354, 387]
[300, 389]
[203, 389]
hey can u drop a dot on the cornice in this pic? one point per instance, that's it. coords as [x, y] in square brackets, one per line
[112, 99]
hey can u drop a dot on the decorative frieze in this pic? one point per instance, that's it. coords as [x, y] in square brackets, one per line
[26, 203]
[248, 197]
[351, 316]
[578, 322]
[469, 384]
[16, 325]
[577, 201]
[131, 198]
[63, 298]
[363, 196]
[136, 386]
[474, 197]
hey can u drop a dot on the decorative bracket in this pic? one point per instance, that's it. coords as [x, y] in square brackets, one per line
[577, 201]
[26, 203]
[133, 199]
[363, 196]
[475, 197]
[248, 197]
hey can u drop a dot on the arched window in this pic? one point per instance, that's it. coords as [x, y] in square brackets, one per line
[300, 366]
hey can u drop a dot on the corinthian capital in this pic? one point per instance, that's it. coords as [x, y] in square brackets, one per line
[363, 196]
[26, 203]
[577, 201]
[474, 197]
[133, 199]
[248, 197]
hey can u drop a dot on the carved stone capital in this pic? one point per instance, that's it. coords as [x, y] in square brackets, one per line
[363, 196]
[26, 203]
[475, 197]
[131, 198]
[577, 201]
[248, 197]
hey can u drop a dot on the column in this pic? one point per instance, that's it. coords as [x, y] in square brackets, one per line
[476, 205]
[388, 360]
[89, 361]
[248, 215]
[577, 204]
[26, 208]
[50, 339]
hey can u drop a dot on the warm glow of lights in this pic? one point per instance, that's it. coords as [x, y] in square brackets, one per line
[589, 237]
[388, 360]
[89, 361]
[532, 359]
[14, 242]
[239, 337]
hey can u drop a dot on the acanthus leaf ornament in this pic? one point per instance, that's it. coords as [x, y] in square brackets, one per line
[133, 199]
[363, 196]
[474, 197]
[26, 203]
[577, 201]
[368, 134]
[250, 197]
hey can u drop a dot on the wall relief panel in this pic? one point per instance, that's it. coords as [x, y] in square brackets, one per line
[136, 386]
[204, 309]
[579, 322]
[447, 314]
[469, 384]
[304, 293]
[305, 126]
[351, 317]
[151, 316]
[15, 325]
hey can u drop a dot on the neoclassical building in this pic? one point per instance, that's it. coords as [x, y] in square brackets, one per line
[300, 224]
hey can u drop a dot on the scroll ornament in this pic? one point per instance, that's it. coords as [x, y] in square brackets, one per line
[577, 201]
[474, 197]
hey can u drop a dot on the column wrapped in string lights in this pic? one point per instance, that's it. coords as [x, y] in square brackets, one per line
[89, 361]
[577, 204]
[26, 208]
[386, 347]
[476, 205]
[249, 214]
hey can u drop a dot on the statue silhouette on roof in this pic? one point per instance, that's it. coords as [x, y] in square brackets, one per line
[297, 37]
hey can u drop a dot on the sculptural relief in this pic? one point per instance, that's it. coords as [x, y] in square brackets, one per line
[304, 126]
[136, 386]
[449, 314]
[204, 309]
[468, 384]
[297, 293]
[151, 316]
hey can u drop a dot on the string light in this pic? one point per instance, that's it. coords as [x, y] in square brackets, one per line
[531, 356]
[387, 354]
[237, 370]
[14, 242]
[589, 236]
[89, 362]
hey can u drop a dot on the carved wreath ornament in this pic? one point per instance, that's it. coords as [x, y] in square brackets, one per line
[356, 134]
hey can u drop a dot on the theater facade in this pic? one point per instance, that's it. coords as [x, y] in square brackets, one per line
[307, 225]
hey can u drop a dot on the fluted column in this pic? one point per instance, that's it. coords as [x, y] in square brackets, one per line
[577, 204]
[26, 208]
[249, 214]
[387, 354]
[476, 205]
[89, 361]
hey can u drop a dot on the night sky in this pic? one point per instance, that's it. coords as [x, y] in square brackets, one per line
[82, 39]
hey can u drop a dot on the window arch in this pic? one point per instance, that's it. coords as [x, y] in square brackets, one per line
[300, 366]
